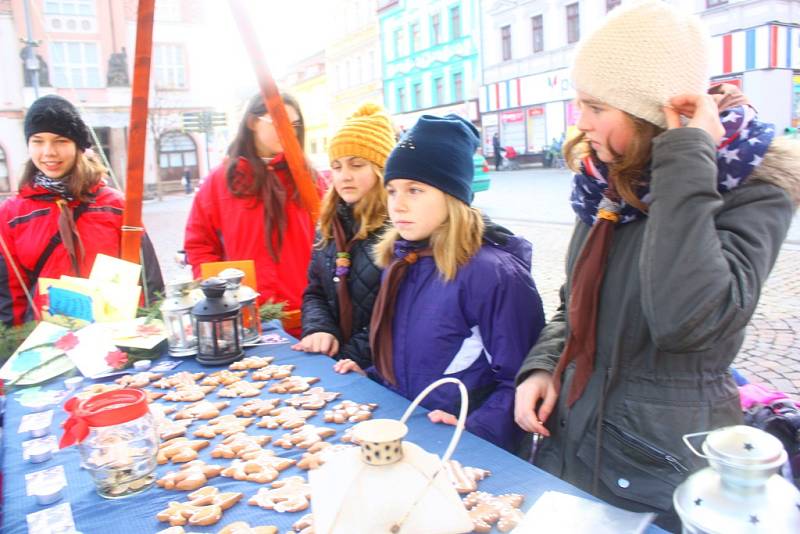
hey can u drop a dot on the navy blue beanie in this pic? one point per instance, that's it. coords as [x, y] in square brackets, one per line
[437, 151]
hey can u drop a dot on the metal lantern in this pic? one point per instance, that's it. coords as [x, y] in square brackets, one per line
[741, 491]
[246, 296]
[176, 310]
[218, 326]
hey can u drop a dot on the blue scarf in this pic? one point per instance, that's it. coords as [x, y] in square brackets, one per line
[741, 150]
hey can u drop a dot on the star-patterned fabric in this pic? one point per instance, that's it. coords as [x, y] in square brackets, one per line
[740, 150]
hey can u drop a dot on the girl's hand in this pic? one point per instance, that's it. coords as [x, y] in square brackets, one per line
[727, 95]
[321, 342]
[701, 110]
[348, 366]
[538, 387]
[440, 416]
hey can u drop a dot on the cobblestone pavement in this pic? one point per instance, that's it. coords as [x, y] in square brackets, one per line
[771, 352]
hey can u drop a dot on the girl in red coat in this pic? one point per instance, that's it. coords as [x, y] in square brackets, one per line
[64, 213]
[248, 209]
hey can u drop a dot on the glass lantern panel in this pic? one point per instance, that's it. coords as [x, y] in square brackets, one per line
[207, 336]
[228, 335]
[250, 321]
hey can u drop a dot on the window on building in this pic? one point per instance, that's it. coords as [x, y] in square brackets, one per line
[458, 87]
[537, 33]
[81, 8]
[5, 180]
[176, 152]
[168, 10]
[611, 4]
[169, 66]
[573, 23]
[103, 134]
[438, 91]
[715, 3]
[398, 42]
[371, 66]
[436, 28]
[416, 37]
[75, 64]
[401, 99]
[455, 22]
[418, 96]
[505, 42]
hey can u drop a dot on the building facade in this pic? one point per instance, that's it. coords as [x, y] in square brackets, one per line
[429, 57]
[526, 93]
[307, 81]
[84, 52]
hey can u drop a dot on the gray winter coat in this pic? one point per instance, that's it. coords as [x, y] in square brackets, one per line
[680, 287]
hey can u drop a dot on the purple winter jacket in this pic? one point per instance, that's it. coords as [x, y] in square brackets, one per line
[477, 328]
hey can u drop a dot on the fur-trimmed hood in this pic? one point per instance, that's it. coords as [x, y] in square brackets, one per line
[781, 167]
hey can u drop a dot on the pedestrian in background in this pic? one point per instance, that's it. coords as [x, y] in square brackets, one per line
[64, 213]
[248, 208]
[673, 243]
[457, 298]
[343, 279]
[498, 151]
[186, 178]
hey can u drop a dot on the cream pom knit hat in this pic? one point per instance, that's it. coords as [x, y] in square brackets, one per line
[643, 55]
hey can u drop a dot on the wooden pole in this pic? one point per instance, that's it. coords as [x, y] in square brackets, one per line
[272, 99]
[132, 228]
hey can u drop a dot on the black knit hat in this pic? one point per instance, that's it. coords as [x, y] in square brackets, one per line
[54, 114]
[437, 151]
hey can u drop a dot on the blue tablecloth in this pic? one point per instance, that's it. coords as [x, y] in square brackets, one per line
[93, 514]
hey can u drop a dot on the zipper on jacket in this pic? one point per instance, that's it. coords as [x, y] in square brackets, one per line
[645, 448]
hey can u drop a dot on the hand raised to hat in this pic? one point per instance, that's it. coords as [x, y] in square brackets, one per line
[701, 110]
[727, 95]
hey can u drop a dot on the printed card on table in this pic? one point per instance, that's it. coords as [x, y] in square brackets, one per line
[49, 441]
[52, 476]
[35, 421]
[54, 520]
[90, 348]
[38, 358]
[115, 271]
[138, 333]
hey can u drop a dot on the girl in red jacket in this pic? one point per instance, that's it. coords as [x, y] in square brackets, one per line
[64, 213]
[248, 209]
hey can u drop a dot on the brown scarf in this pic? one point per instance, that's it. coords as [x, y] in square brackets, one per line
[70, 236]
[380, 327]
[587, 279]
[342, 291]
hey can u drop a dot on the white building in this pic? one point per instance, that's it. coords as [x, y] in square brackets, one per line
[528, 45]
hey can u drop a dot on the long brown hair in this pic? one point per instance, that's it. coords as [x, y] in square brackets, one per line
[627, 169]
[370, 212]
[454, 243]
[87, 171]
[265, 184]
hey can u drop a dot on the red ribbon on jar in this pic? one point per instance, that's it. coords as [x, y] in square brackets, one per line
[106, 409]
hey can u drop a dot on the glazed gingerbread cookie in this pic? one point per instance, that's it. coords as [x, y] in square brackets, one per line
[293, 384]
[251, 362]
[273, 372]
[304, 437]
[318, 454]
[202, 410]
[314, 399]
[190, 476]
[290, 494]
[465, 479]
[304, 525]
[138, 380]
[486, 509]
[169, 429]
[223, 377]
[243, 388]
[348, 411]
[95, 389]
[259, 407]
[262, 467]
[286, 417]
[225, 425]
[205, 507]
[179, 450]
[235, 445]
[183, 378]
[242, 527]
[188, 393]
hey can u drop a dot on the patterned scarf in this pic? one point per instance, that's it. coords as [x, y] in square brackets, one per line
[597, 203]
[67, 229]
[740, 151]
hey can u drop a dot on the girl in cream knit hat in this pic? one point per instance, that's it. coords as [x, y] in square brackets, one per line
[342, 278]
[682, 208]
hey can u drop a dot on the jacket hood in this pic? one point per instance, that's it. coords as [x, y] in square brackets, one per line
[781, 167]
[504, 239]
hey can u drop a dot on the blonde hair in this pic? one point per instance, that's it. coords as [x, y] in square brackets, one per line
[454, 243]
[627, 169]
[370, 212]
[87, 171]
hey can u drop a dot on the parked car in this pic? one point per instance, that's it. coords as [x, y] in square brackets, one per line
[481, 181]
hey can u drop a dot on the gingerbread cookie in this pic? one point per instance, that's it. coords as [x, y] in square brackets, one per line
[262, 467]
[304, 437]
[237, 444]
[304, 525]
[347, 436]
[242, 388]
[286, 417]
[224, 377]
[318, 453]
[259, 407]
[179, 450]
[287, 495]
[95, 389]
[169, 429]
[225, 425]
[293, 384]
[190, 476]
[348, 411]
[251, 362]
[202, 410]
[314, 399]
[183, 378]
[273, 372]
[188, 393]
[465, 479]
[139, 380]
[243, 527]
[486, 509]
[205, 507]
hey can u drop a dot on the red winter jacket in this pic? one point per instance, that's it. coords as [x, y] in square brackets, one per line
[29, 224]
[223, 227]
